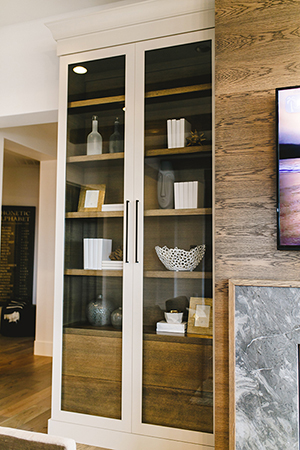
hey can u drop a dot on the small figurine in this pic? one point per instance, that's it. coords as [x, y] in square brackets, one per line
[195, 138]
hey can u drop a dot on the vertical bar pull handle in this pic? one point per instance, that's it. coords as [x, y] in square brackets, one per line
[136, 230]
[126, 233]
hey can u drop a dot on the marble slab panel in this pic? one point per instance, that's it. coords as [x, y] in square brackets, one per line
[267, 334]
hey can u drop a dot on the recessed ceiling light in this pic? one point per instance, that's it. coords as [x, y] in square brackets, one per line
[80, 70]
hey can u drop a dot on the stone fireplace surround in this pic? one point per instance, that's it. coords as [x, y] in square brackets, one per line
[264, 334]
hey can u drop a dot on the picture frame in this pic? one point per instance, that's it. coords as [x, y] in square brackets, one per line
[200, 318]
[91, 198]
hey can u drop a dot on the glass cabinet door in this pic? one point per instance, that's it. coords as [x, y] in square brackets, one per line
[177, 299]
[94, 211]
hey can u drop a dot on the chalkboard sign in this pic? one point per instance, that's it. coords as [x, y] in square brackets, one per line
[17, 253]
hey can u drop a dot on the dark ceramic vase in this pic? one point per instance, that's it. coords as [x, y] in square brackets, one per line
[98, 311]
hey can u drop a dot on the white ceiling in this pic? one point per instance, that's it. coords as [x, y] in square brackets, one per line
[16, 11]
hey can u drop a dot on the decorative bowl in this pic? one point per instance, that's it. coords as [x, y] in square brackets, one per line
[173, 317]
[180, 260]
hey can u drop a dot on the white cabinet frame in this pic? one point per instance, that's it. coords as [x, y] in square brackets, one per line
[129, 432]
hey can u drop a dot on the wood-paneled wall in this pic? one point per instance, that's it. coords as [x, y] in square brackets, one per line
[257, 50]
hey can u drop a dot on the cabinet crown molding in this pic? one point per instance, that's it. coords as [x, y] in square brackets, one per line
[124, 14]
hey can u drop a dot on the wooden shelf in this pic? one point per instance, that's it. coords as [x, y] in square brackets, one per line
[178, 150]
[172, 274]
[85, 329]
[94, 214]
[178, 212]
[147, 213]
[148, 153]
[151, 335]
[94, 273]
[150, 94]
[93, 158]
[147, 274]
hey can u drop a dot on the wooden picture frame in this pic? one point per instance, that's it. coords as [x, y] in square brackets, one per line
[91, 198]
[200, 320]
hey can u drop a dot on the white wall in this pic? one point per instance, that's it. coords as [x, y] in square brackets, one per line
[29, 74]
[21, 188]
[36, 186]
[45, 259]
[29, 62]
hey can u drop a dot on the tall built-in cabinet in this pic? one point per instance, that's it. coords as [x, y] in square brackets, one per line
[118, 381]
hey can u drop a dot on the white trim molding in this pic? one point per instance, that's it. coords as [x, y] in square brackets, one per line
[130, 23]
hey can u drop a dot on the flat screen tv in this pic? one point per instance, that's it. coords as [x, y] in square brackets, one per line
[288, 168]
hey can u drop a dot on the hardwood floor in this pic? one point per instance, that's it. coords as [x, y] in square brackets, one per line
[25, 387]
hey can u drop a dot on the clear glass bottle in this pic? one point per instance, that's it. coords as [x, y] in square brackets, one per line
[115, 140]
[94, 139]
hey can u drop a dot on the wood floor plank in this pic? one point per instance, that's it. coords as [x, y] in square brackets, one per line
[26, 402]
[25, 387]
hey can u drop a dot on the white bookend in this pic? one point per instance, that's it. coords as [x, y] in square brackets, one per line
[173, 132]
[102, 253]
[192, 188]
[112, 265]
[106, 249]
[91, 261]
[176, 195]
[96, 254]
[169, 133]
[86, 257]
[179, 199]
[178, 133]
[195, 195]
[164, 327]
[185, 129]
[113, 207]
[186, 194]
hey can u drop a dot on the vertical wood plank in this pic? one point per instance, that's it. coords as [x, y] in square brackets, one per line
[257, 50]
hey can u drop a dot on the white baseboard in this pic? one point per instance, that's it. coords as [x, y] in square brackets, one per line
[43, 348]
[119, 440]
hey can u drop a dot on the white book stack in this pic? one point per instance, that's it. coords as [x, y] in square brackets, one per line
[177, 131]
[95, 251]
[164, 327]
[113, 207]
[186, 195]
[112, 265]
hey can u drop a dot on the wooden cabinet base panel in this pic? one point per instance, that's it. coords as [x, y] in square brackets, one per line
[91, 396]
[177, 408]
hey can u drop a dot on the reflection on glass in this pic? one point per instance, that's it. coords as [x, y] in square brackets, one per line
[92, 315]
[177, 304]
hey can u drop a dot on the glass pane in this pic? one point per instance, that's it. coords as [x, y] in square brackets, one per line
[178, 369]
[92, 315]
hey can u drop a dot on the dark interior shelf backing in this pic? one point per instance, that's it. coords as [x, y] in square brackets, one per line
[188, 62]
[104, 77]
[109, 173]
[183, 93]
[80, 125]
[77, 230]
[158, 290]
[84, 328]
[189, 168]
[79, 291]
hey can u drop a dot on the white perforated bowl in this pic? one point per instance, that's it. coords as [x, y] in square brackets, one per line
[180, 260]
